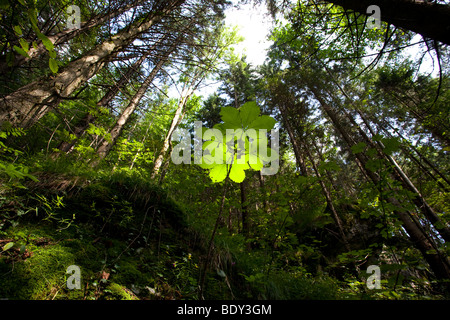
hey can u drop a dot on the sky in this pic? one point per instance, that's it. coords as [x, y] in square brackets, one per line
[254, 25]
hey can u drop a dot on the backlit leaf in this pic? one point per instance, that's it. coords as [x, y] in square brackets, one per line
[237, 173]
[263, 122]
[21, 51]
[231, 115]
[218, 173]
[249, 112]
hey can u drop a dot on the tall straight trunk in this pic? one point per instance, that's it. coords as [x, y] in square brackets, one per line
[115, 132]
[399, 174]
[421, 240]
[295, 146]
[83, 124]
[429, 19]
[28, 104]
[178, 116]
[328, 199]
[421, 157]
[418, 200]
[188, 90]
[244, 209]
[66, 35]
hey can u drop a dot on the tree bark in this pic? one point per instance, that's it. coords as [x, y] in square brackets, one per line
[424, 243]
[178, 116]
[244, 209]
[28, 104]
[66, 35]
[83, 124]
[431, 20]
[115, 132]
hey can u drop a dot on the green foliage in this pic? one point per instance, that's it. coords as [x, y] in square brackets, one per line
[230, 155]
[343, 119]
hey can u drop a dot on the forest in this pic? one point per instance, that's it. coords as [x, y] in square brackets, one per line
[143, 158]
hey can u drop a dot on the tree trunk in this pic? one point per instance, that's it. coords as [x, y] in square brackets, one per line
[244, 209]
[422, 157]
[115, 132]
[285, 102]
[83, 124]
[66, 35]
[175, 122]
[329, 200]
[399, 174]
[438, 261]
[431, 20]
[28, 104]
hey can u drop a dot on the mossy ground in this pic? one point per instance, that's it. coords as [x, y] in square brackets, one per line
[130, 241]
[128, 245]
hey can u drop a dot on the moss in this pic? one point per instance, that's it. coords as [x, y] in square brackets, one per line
[119, 292]
[105, 238]
[36, 276]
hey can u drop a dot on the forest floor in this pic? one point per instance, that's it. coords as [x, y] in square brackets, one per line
[130, 241]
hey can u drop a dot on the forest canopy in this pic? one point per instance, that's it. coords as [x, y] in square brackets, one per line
[322, 173]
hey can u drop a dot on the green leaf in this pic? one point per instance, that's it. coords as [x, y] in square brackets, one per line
[218, 173]
[25, 46]
[330, 165]
[53, 65]
[237, 173]
[358, 148]
[231, 116]
[21, 51]
[18, 30]
[52, 54]
[255, 162]
[390, 145]
[263, 122]
[249, 112]
[8, 246]
[373, 165]
[32, 16]
[46, 41]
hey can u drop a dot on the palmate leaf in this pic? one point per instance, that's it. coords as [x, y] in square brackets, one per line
[231, 117]
[218, 172]
[249, 112]
[237, 173]
[263, 122]
[240, 149]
